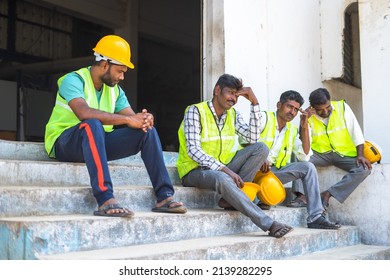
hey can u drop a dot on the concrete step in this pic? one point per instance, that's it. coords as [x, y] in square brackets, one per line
[47, 213]
[53, 200]
[17, 150]
[27, 237]
[26, 163]
[34, 151]
[355, 252]
[249, 246]
[54, 173]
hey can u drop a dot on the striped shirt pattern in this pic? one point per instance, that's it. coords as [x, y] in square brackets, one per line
[192, 129]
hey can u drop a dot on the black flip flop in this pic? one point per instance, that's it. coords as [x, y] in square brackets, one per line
[104, 211]
[167, 208]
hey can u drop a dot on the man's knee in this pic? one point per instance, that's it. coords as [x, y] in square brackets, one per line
[223, 182]
[364, 172]
[259, 148]
[150, 134]
[310, 165]
[307, 166]
[94, 124]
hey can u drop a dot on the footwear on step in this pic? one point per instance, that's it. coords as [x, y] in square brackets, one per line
[105, 211]
[296, 203]
[225, 205]
[168, 207]
[279, 230]
[264, 206]
[323, 223]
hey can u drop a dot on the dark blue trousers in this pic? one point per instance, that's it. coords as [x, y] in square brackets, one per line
[88, 142]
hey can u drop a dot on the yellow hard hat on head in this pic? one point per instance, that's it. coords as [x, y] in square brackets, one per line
[271, 190]
[115, 49]
[372, 151]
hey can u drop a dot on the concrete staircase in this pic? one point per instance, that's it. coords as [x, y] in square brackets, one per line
[46, 213]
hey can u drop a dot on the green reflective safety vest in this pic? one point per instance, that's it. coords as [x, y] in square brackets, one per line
[334, 136]
[267, 136]
[63, 117]
[221, 145]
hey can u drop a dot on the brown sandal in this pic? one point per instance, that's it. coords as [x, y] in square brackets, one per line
[104, 211]
[279, 230]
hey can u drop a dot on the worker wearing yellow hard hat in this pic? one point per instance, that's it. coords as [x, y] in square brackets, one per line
[114, 49]
[93, 122]
[337, 140]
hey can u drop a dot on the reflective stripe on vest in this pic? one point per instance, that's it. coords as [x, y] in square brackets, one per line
[63, 117]
[222, 145]
[334, 136]
[267, 136]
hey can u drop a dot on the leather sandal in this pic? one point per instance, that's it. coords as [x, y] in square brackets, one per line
[323, 223]
[296, 203]
[279, 230]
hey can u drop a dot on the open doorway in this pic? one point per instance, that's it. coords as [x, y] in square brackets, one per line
[168, 49]
[168, 81]
[169, 63]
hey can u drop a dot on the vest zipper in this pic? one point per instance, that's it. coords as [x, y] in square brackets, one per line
[326, 129]
[285, 154]
[220, 145]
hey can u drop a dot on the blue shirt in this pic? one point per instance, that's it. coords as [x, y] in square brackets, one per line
[73, 87]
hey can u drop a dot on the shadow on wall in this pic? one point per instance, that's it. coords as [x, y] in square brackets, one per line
[352, 95]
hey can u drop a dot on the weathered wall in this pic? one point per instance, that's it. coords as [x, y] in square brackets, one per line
[367, 207]
[375, 63]
[274, 49]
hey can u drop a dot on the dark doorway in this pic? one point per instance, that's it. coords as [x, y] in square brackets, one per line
[168, 82]
[168, 53]
[168, 67]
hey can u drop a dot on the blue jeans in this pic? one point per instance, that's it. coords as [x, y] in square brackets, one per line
[246, 163]
[88, 142]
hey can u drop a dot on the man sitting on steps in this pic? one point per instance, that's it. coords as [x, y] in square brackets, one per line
[209, 155]
[337, 139]
[89, 104]
[283, 139]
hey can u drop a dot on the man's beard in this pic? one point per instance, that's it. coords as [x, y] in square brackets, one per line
[106, 78]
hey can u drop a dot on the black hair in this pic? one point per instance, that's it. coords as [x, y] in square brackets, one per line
[229, 81]
[291, 95]
[319, 97]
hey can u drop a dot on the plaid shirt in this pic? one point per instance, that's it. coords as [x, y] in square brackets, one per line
[193, 127]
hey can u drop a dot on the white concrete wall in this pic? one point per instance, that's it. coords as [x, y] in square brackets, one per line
[246, 47]
[367, 207]
[280, 45]
[272, 48]
[375, 64]
[332, 24]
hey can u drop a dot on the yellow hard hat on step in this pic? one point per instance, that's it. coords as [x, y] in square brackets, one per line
[271, 191]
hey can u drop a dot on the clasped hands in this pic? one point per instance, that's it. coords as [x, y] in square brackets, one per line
[143, 120]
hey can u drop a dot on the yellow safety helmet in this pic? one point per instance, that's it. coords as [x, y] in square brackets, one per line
[250, 189]
[271, 190]
[372, 152]
[114, 48]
